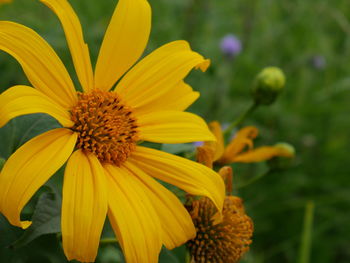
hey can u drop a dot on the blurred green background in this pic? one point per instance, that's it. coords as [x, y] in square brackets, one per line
[312, 114]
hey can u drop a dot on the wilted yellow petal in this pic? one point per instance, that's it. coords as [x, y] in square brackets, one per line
[218, 146]
[243, 138]
[205, 155]
[261, 154]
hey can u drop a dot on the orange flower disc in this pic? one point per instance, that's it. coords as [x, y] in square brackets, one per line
[105, 126]
[222, 241]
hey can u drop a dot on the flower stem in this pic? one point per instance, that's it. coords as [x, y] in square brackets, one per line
[306, 236]
[187, 256]
[108, 241]
[241, 118]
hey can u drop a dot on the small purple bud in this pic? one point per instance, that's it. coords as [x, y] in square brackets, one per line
[230, 45]
[198, 144]
[318, 62]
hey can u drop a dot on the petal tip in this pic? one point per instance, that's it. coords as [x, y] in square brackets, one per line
[25, 224]
[203, 66]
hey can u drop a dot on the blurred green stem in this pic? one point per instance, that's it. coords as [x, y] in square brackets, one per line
[306, 237]
[253, 180]
[108, 241]
[241, 118]
[187, 256]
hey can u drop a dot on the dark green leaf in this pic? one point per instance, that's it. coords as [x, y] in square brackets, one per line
[21, 129]
[46, 218]
[178, 148]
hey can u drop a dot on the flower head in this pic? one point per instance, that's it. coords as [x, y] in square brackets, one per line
[220, 238]
[230, 45]
[107, 172]
[239, 149]
[269, 83]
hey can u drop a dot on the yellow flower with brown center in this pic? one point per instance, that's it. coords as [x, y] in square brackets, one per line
[239, 150]
[107, 172]
[220, 238]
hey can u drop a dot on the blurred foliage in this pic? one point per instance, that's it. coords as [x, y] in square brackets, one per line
[312, 114]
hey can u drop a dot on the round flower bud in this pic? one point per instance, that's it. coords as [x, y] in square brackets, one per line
[268, 85]
[284, 160]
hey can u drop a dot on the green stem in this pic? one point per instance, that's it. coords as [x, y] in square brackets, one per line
[241, 118]
[108, 241]
[306, 237]
[187, 256]
[253, 180]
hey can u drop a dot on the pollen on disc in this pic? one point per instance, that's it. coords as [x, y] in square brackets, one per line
[223, 241]
[105, 126]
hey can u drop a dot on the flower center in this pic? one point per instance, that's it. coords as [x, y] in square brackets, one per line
[105, 126]
[225, 241]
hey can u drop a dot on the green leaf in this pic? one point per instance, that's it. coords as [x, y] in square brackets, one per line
[8, 233]
[178, 148]
[46, 218]
[176, 255]
[23, 128]
[168, 256]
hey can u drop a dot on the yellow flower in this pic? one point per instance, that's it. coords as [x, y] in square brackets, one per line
[220, 238]
[235, 151]
[107, 172]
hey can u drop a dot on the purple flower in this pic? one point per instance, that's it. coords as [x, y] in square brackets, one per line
[318, 62]
[197, 144]
[230, 45]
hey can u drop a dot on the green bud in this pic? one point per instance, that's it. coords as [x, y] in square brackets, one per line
[285, 161]
[268, 85]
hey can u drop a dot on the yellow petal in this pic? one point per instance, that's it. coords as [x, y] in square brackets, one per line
[132, 216]
[30, 167]
[84, 206]
[124, 42]
[218, 145]
[155, 75]
[178, 98]
[261, 154]
[243, 138]
[173, 127]
[74, 34]
[21, 100]
[39, 61]
[190, 176]
[177, 225]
